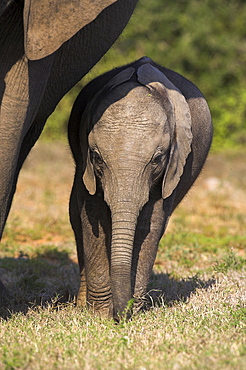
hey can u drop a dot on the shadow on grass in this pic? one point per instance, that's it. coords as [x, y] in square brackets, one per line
[167, 290]
[49, 278]
[52, 278]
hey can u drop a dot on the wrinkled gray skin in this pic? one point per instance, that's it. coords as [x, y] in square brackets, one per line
[46, 47]
[139, 135]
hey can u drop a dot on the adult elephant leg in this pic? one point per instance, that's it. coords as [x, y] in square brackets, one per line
[22, 84]
[13, 100]
[25, 85]
[95, 217]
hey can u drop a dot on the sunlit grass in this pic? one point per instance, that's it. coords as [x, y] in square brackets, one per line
[205, 332]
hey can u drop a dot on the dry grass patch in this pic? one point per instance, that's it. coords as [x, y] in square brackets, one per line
[205, 333]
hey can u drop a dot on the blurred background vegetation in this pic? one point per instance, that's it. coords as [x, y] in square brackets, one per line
[204, 40]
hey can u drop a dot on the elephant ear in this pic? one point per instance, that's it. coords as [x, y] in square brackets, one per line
[49, 23]
[89, 178]
[181, 134]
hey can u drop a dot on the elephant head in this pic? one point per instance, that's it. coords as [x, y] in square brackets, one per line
[139, 137]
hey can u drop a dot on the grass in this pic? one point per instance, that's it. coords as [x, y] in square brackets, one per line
[196, 317]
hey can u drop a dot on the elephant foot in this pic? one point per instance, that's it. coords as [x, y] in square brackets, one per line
[140, 304]
[101, 310]
[100, 303]
[141, 298]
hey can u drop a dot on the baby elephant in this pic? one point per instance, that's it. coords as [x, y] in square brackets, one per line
[139, 135]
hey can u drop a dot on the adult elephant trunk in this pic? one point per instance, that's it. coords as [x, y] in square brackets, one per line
[124, 221]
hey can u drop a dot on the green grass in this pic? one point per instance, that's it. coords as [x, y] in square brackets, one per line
[183, 336]
[195, 315]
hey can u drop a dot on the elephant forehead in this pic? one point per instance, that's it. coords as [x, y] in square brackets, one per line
[135, 123]
[138, 109]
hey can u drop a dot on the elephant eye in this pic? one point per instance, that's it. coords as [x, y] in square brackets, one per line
[159, 162]
[157, 159]
[96, 158]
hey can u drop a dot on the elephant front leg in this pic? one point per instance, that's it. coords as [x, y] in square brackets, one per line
[95, 218]
[81, 297]
[151, 226]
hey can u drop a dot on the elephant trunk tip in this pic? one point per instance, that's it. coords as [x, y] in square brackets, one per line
[122, 312]
[122, 301]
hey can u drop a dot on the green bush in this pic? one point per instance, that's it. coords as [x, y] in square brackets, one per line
[229, 114]
[203, 40]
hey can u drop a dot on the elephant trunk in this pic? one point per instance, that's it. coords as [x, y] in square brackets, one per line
[124, 220]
